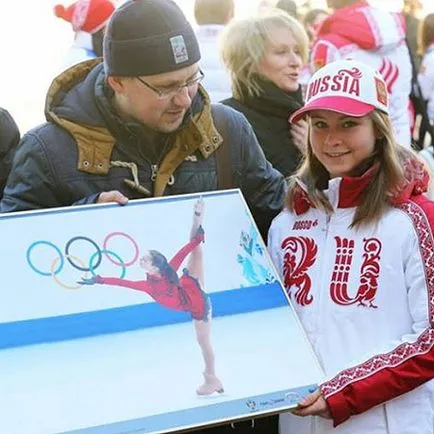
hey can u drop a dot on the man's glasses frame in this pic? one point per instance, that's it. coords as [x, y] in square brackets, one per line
[170, 93]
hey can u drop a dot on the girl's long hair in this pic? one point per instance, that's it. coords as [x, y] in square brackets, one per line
[376, 198]
[164, 268]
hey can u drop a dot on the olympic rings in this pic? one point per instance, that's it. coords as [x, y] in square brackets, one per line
[68, 256]
[129, 237]
[95, 260]
[44, 273]
[64, 285]
[108, 252]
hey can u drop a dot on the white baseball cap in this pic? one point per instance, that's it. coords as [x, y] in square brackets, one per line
[349, 87]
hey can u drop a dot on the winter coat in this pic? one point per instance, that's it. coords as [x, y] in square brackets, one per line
[85, 149]
[377, 38]
[9, 139]
[366, 300]
[268, 114]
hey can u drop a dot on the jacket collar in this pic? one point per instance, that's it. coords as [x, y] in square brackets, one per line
[347, 192]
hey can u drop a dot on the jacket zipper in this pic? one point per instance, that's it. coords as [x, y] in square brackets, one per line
[323, 270]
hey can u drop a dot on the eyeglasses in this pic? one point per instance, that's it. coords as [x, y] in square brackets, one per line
[170, 92]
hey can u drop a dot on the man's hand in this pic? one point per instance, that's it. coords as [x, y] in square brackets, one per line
[313, 405]
[300, 133]
[112, 196]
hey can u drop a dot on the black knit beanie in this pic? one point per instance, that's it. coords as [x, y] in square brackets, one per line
[146, 37]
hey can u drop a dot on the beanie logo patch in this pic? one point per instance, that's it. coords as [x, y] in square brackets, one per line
[179, 49]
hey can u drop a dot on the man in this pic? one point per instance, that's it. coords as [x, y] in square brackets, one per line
[359, 31]
[140, 125]
[211, 17]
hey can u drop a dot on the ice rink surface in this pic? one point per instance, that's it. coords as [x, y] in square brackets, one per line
[66, 386]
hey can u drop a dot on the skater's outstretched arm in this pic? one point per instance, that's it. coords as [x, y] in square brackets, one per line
[139, 285]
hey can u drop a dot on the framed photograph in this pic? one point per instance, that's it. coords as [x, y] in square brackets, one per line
[163, 315]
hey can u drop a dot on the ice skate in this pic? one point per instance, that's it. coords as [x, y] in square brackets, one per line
[212, 384]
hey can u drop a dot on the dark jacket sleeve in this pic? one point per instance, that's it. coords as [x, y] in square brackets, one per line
[9, 139]
[262, 186]
[33, 183]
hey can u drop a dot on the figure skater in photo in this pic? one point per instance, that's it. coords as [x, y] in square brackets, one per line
[182, 293]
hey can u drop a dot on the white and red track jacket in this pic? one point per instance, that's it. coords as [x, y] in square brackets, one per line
[366, 301]
[376, 37]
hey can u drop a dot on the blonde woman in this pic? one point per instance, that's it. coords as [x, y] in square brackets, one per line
[265, 55]
[355, 250]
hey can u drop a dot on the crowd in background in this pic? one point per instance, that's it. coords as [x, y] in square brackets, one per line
[231, 70]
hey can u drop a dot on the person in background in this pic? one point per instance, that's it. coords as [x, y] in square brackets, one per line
[362, 32]
[265, 55]
[88, 19]
[211, 17]
[289, 6]
[425, 79]
[311, 22]
[426, 71]
[411, 10]
[9, 139]
[361, 276]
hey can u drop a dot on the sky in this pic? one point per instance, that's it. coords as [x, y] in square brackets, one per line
[34, 42]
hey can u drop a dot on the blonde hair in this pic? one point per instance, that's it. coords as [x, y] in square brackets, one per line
[375, 200]
[244, 44]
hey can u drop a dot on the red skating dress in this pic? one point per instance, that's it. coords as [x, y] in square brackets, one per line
[188, 296]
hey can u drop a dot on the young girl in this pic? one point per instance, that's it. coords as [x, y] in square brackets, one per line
[355, 250]
[180, 293]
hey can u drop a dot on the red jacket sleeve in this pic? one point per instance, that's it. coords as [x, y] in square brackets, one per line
[139, 285]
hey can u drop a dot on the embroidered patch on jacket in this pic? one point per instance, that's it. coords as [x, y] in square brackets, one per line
[304, 225]
[179, 49]
[381, 91]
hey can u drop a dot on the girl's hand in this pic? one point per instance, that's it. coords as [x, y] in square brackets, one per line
[313, 405]
[300, 133]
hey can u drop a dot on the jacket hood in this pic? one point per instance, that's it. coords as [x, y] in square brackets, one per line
[71, 94]
[365, 26]
[71, 104]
